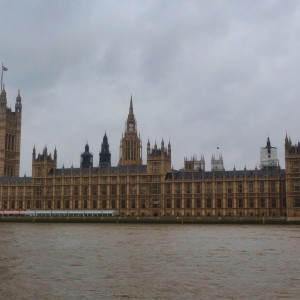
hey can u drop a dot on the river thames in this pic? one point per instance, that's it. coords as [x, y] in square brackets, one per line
[120, 261]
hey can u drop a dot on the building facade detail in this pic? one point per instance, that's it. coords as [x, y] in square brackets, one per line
[155, 188]
[10, 136]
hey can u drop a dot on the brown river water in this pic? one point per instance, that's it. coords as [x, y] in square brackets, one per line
[121, 261]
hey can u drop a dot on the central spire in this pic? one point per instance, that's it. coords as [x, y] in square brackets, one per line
[130, 145]
[131, 107]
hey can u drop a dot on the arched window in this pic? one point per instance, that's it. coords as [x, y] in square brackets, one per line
[12, 142]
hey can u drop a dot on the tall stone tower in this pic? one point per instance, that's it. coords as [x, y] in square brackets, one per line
[10, 136]
[130, 144]
[292, 177]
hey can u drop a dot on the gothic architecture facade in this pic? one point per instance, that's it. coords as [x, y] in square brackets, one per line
[134, 188]
[10, 136]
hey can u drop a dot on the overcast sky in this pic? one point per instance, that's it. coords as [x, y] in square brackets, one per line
[204, 74]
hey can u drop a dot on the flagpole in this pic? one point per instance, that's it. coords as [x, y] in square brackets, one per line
[1, 75]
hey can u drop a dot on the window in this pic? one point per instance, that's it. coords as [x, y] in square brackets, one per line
[240, 187]
[58, 191]
[208, 203]
[49, 191]
[219, 203]
[143, 189]
[188, 203]
[133, 203]
[261, 187]
[113, 203]
[178, 188]
[178, 204]
[208, 188]
[296, 166]
[76, 204]
[273, 186]
[188, 188]
[250, 185]
[67, 204]
[13, 191]
[103, 190]
[273, 203]
[219, 188]
[241, 204]
[38, 204]
[114, 189]
[168, 188]
[85, 190]
[284, 202]
[229, 188]
[198, 187]
[198, 203]
[5, 192]
[251, 203]
[20, 204]
[76, 191]
[133, 189]
[58, 204]
[67, 191]
[28, 204]
[123, 204]
[38, 191]
[49, 204]
[94, 204]
[229, 203]
[155, 189]
[28, 192]
[297, 202]
[85, 205]
[168, 203]
[262, 203]
[13, 204]
[123, 189]
[103, 203]
[95, 190]
[296, 185]
[20, 192]
[143, 203]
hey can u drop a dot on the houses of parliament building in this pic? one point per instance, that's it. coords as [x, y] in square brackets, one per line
[152, 189]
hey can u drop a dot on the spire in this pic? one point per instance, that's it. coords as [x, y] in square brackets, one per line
[131, 107]
[18, 99]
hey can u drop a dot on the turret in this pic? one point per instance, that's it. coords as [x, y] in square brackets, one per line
[148, 147]
[86, 158]
[18, 105]
[104, 155]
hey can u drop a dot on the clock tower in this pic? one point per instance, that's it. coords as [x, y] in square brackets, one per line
[130, 144]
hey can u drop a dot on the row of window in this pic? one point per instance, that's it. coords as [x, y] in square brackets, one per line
[187, 204]
[143, 189]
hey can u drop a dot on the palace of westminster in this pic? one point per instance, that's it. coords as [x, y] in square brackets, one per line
[152, 189]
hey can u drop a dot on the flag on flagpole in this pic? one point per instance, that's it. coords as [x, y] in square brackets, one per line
[4, 68]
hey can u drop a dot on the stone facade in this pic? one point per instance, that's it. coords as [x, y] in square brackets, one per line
[10, 136]
[155, 189]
